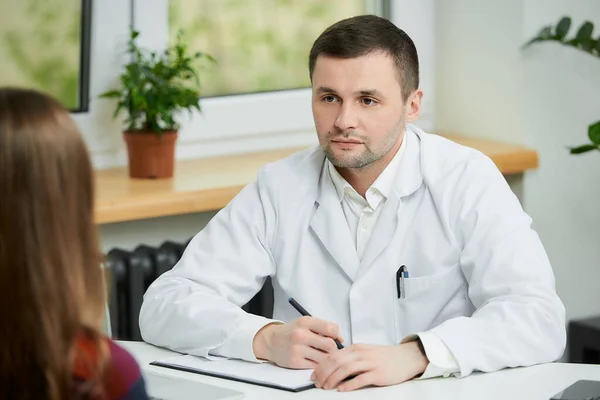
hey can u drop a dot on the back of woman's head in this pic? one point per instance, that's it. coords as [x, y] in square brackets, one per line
[50, 275]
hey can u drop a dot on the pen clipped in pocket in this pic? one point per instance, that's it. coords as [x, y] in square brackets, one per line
[420, 301]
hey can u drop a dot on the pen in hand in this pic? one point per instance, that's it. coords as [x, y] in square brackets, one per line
[305, 313]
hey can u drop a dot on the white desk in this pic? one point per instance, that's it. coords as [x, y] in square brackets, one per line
[538, 382]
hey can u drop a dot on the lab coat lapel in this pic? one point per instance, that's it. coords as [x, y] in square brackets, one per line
[396, 215]
[330, 226]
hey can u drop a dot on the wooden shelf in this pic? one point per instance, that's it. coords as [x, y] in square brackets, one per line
[210, 183]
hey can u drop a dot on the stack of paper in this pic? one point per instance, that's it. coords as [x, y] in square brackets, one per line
[264, 374]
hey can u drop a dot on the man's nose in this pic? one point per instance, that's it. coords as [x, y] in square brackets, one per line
[347, 118]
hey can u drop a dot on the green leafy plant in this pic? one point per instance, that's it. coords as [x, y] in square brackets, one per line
[583, 41]
[155, 87]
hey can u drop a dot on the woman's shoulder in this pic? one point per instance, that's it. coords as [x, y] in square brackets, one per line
[121, 362]
[122, 375]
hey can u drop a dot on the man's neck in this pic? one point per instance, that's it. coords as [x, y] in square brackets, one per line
[361, 179]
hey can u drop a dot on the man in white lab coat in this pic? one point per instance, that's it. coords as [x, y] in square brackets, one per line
[409, 248]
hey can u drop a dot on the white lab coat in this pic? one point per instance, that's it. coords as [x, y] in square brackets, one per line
[479, 277]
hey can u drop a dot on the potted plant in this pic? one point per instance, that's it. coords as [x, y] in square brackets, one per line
[154, 88]
[583, 41]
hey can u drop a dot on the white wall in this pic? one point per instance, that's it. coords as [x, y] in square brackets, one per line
[227, 125]
[417, 19]
[544, 97]
[478, 70]
[561, 99]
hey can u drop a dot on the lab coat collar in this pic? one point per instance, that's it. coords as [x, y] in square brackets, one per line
[409, 176]
[329, 224]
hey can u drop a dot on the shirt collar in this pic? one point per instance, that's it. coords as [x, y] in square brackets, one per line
[379, 190]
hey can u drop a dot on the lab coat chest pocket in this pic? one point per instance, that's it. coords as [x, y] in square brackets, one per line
[429, 300]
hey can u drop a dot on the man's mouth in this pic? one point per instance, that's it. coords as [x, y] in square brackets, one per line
[347, 141]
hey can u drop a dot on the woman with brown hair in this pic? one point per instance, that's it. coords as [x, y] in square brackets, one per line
[52, 299]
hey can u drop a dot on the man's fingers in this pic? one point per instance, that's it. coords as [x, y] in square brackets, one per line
[322, 343]
[315, 355]
[360, 381]
[344, 371]
[322, 327]
[331, 364]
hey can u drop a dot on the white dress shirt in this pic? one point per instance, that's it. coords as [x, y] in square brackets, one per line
[361, 215]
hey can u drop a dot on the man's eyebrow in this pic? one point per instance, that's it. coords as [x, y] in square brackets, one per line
[324, 89]
[364, 92]
[370, 92]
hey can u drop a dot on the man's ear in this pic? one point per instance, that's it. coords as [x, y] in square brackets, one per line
[413, 109]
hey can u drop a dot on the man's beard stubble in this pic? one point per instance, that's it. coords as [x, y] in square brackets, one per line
[366, 157]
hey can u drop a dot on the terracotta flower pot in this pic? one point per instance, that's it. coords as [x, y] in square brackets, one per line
[150, 156]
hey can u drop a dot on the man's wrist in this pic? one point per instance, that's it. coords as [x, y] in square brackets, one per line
[261, 342]
[419, 356]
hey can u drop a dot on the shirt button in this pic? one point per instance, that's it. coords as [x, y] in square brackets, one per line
[365, 226]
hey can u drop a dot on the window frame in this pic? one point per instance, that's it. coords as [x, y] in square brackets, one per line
[211, 133]
[257, 114]
[85, 53]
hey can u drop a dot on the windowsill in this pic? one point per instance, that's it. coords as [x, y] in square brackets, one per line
[210, 183]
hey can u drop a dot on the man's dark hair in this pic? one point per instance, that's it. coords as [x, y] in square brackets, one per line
[365, 34]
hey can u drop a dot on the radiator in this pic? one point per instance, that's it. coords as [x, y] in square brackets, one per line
[131, 272]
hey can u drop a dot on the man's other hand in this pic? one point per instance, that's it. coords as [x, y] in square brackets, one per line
[364, 365]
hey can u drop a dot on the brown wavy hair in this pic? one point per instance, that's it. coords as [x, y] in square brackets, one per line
[50, 265]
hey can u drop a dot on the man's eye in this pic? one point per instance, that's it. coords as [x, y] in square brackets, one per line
[329, 99]
[368, 102]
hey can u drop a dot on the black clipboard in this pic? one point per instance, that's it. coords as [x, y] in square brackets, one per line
[231, 378]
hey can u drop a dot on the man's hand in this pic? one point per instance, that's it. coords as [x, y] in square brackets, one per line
[370, 365]
[301, 344]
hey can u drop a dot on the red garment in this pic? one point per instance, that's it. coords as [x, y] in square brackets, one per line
[123, 379]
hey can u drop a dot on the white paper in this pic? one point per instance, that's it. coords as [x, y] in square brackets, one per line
[265, 373]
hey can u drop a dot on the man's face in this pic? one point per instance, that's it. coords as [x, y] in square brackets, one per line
[358, 109]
